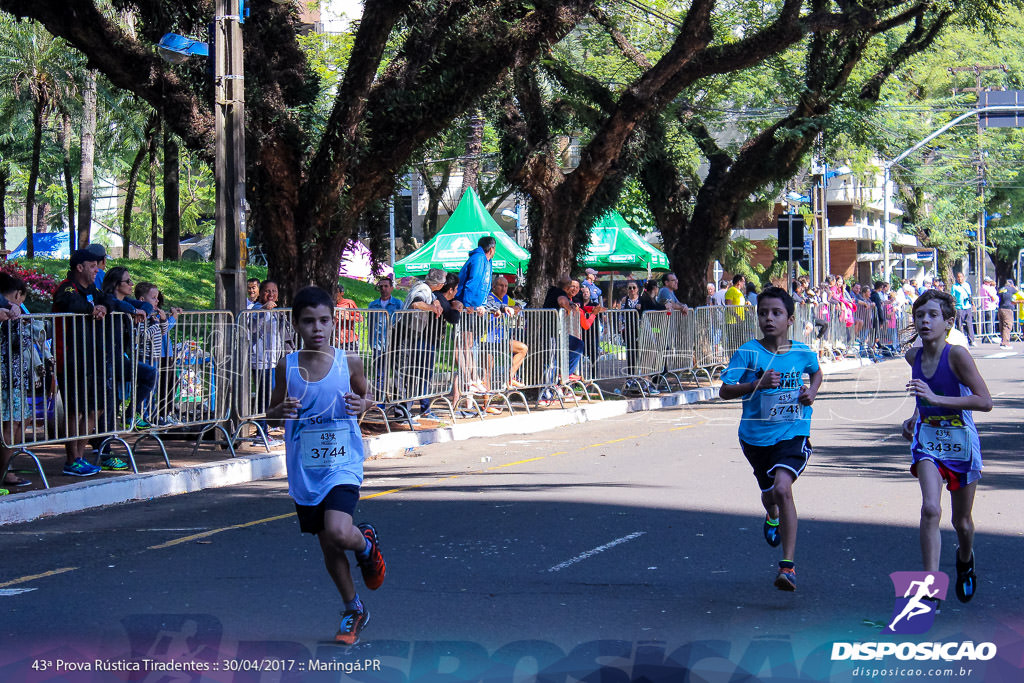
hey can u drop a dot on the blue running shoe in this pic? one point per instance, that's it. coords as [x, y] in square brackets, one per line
[81, 468]
[965, 578]
[771, 532]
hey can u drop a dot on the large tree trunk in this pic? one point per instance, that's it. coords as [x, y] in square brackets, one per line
[87, 172]
[69, 181]
[38, 120]
[154, 214]
[172, 215]
[474, 146]
[129, 198]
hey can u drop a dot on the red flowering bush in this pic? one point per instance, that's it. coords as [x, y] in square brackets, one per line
[40, 285]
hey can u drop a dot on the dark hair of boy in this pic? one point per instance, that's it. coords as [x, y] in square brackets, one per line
[780, 294]
[142, 289]
[737, 277]
[310, 297]
[10, 284]
[946, 302]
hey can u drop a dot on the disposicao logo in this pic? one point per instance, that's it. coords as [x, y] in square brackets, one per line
[917, 597]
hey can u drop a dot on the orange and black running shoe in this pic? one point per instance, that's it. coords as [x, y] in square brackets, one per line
[352, 623]
[372, 567]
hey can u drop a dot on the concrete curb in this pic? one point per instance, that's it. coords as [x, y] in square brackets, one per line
[25, 507]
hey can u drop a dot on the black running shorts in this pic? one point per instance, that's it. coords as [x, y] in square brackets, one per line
[342, 498]
[791, 454]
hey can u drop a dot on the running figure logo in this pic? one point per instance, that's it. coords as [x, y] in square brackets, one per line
[917, 598]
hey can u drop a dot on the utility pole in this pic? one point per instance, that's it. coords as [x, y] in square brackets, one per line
[229, 101]
[980, 253]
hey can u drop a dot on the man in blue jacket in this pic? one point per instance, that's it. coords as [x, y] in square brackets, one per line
[475, 276]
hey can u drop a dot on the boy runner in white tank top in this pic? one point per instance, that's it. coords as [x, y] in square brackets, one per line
[943, 439]
[319, 392]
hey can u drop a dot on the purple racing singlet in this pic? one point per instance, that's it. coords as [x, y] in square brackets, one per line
[945, 435]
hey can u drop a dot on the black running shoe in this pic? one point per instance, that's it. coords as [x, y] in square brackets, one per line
[771, 533]
[373, 567]
[352, 623]
[965, 578]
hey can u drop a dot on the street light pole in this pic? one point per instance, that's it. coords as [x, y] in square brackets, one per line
[229, 107]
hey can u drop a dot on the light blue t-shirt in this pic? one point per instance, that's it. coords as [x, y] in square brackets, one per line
[772, 415]
[323, 446]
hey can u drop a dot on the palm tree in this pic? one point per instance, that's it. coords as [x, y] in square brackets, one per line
[37, 69]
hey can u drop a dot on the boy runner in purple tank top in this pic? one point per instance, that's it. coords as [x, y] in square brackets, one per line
[319, 392]
[944, 439]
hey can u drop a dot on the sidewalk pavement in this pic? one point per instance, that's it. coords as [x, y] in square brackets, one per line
[213, 467]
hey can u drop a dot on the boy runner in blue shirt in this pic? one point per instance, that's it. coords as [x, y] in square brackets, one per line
[768, 374]
[319, 392]
[944, 442]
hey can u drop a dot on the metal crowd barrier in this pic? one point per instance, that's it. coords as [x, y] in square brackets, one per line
[86, 392]
[680, 349]
[264, 337]
[416, 364]
[544, 367]
[721, 330]
[484, 355]
[192, 356]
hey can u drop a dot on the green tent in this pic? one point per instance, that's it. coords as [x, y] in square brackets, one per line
[616, 246]
[450, 247]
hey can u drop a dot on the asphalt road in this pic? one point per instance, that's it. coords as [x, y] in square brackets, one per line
[631, 547]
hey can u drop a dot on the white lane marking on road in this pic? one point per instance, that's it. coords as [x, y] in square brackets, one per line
[1004, 354]
[4, 592]
[595, 551]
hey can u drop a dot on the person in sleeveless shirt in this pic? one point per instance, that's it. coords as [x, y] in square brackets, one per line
[319, 393]
[943, 438]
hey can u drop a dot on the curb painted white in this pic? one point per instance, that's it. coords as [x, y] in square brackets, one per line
[112, 490]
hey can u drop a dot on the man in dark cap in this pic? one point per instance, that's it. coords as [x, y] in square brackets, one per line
[78, 362]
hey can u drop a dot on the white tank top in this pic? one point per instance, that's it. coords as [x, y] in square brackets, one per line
[323, 446]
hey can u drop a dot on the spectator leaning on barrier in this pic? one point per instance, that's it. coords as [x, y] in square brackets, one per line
[499, 303]
[667, 293]
[710, 294]
[78, 366]
[475, 276]
[559, 295]
[17, 373]
[989, 304]
[117, 284]
[156, 351]
[271, 338]
[962, 293]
